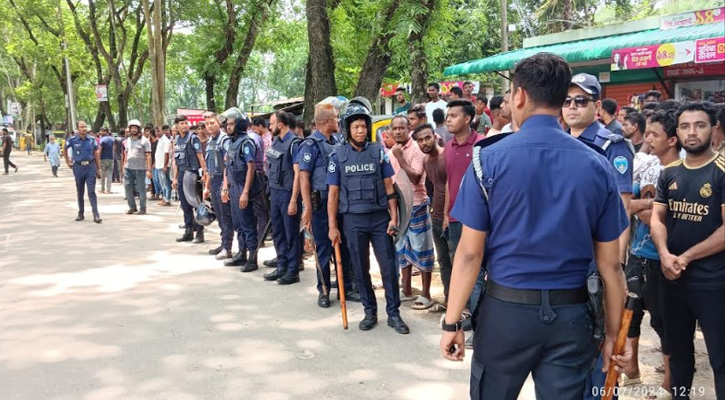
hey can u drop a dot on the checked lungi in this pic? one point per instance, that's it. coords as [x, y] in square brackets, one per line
[417, 248]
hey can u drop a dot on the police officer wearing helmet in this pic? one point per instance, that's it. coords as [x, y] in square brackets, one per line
[188, 159]
[86, 164]
[216, 151]
[313, 159]
[239, 188]
[361, 188]
[540, 205]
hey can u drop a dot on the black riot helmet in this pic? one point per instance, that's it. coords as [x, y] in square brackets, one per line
[204, 215]
[353, 113]
[240, 126]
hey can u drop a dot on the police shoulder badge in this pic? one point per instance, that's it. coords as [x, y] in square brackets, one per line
[246, 150]
[621, 164]
[331, 168]
[706, 191]
[196, 145]
[307, 157]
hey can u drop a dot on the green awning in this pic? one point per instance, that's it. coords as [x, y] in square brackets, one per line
[588, 49]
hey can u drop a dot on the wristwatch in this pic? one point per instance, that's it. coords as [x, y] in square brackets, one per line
[451, 327]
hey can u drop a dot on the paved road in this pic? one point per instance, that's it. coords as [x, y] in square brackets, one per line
[121, 311]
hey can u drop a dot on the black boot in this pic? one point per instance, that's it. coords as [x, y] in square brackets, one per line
[238, 260]
[274, 275]
[398, 324]
[188, 236]
[368, 322]
[251, 265]
[288, 279]
[216, 251]
[270, 263]
[323, 300]
[199, 236]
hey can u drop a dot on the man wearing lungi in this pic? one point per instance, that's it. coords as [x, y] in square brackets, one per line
[417, 248]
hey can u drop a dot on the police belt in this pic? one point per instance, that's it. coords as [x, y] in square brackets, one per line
[533, 297]
[83, 163]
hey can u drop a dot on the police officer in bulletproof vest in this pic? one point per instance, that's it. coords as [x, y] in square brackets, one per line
[86, 166]
[188, 159]
[283, 176]
[240, 188]
[313, 159]
[361, 188]
[540, 205]
[216, 151]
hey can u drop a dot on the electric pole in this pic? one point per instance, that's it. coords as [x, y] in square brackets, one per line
[69, 81]
[504, 42]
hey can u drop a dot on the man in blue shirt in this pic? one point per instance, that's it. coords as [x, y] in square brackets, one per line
[188, 159]
[216, 151]
[107, 146]
[361, 188]
[542, 204]
[86, 164]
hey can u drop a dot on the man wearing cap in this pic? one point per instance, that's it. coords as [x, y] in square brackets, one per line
[216, 151]
[86, 164]
[137, 167]
[188, 158]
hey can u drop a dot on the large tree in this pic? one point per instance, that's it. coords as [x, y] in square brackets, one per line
[320, 64]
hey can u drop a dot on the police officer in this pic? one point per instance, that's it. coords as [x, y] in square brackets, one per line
[188, 158]
[313, 159]
[282, 174]
[361, 188]
[216, 151]
[86, 164]
[239, 188]
[540, 204]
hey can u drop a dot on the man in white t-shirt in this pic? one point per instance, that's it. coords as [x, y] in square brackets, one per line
[161, 171]
[434, 100]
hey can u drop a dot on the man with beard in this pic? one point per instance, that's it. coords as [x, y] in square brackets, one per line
[216, 151]
[86, 164]
[313, 159]
[188, 159]
[688, 231]
[361, 188]
[404, 106]
[243, 187]
[137, 167]
[283, 177]
[417, 250]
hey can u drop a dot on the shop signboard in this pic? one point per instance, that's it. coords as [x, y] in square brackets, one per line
[710, 50]
[691, 70]
[653, 56]
[702, 17]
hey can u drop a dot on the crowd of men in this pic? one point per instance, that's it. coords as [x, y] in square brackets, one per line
[520, 200]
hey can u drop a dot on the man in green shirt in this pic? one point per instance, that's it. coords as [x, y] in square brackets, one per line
[400, 98]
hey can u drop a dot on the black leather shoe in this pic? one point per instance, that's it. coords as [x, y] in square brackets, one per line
[288, 279]
[131, 211]
[398, 324]
[352, 296]
[80, 217]
[238, 260]
[97, 219]
[188, 236]
[272, 276]
[142, 212]
[216, 251]
[182, 226]
[199, 237]
[250, 266]
[323, 301]
[270, 263]
[368, 322]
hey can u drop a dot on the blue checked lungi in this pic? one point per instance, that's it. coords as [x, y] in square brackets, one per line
[417, 248]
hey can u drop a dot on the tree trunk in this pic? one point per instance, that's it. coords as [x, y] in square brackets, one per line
[255, 23]
[418, 61]
[308, 112]
[378, 57]
[321, 64]
[209, 81]
[154, 60]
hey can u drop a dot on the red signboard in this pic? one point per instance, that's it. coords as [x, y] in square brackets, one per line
[194, 116]
[653, 56]
[388, 89]
[710, 50]
[694, 70]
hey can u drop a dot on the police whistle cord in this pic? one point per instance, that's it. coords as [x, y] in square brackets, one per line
[341, 284]
[325, 290]
[612, 373]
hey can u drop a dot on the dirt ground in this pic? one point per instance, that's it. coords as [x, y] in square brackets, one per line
[121, 311]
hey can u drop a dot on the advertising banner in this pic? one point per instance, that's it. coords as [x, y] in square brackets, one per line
[710, 50]
[653, 56]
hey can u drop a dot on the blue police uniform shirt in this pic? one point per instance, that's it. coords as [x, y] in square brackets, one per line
[620, 156]
[309, 156]
[333, 170]
[216, 151]
[83, 149]
[542, 214]
[193, 143]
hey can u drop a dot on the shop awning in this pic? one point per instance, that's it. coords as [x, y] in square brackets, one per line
[589, 49]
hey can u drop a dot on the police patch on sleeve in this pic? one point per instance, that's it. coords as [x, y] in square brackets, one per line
[384, 156]
[621, 164]
[246, 150]
[331, 168]
[307, 157]
[196, 145]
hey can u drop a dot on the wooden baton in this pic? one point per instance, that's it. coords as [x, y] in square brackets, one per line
[612, 373]
[340, 284]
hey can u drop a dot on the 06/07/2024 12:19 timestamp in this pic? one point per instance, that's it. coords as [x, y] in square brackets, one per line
[640, 391]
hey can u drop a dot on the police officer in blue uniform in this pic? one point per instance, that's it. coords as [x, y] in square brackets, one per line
[188, 158]
[283, 180]
[313, 159]
[361, 188]
[86, 164]
[240, 188]
[540, 204]
[216, 151]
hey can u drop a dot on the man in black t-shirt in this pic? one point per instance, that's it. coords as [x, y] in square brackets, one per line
[688, 231]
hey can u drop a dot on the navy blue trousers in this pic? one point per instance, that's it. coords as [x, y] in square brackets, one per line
[188, 210]
[223, 212]
[285, 232]
[243, 220]
[554, 343]
[362, 230]
[320, 229]
[86, 178]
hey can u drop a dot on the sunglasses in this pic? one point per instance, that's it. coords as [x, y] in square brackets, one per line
[579, 101]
